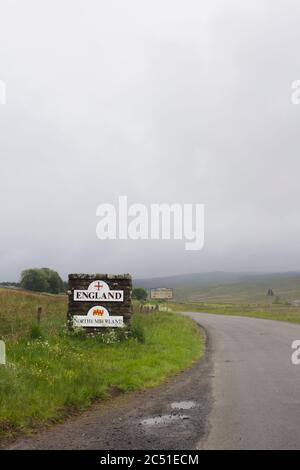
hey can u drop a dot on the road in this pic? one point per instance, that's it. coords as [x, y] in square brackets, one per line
[244, 394]
[255, 387]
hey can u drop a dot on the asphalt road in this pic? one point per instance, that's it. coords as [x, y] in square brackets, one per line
[255, 387]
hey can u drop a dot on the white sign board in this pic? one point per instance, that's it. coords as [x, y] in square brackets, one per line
[162, 293]
[2, 352]
[99, 290]
[97, 317]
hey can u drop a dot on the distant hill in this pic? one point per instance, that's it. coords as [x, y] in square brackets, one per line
[243, 287]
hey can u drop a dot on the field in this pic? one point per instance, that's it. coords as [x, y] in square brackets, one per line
[226, 287]
[50, 373]
[18, 312]
[230, 293]
[275, 312]
[243, 291]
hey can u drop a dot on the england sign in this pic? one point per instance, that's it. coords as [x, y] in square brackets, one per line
[99, 300]
[98, 291]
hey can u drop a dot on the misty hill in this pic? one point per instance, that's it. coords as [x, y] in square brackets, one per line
[228, 287]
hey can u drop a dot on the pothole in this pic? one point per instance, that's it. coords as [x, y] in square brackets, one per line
[161, 420]
[183, 405]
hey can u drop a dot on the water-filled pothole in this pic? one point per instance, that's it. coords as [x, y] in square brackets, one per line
[161, 420]
[183, 405]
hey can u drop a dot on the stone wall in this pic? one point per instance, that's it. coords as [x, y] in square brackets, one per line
[121, 282]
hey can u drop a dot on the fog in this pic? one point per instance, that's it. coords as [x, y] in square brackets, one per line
[164, 102]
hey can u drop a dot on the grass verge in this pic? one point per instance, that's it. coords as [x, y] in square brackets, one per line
[46, 378]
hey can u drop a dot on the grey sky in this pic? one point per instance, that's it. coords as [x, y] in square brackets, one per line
[162, 101]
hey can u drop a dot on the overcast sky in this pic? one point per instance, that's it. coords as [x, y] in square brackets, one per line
[162, 101]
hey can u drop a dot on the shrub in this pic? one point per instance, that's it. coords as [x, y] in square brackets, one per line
[139, 293]
[35, 332]
[138, 333]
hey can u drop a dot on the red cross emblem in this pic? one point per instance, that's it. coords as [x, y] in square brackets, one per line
[98, 286]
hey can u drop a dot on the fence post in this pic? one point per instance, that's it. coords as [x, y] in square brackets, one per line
[39, 314]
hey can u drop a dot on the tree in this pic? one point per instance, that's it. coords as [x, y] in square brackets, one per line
[42, 280]
[139, 293]
[55, 282]
[34, 279]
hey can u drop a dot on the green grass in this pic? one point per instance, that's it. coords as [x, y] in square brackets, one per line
[276, 312]
[47, 378]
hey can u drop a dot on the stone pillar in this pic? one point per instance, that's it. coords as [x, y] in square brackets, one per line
[116, 282]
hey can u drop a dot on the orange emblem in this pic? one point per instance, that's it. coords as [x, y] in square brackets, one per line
[98, 312]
